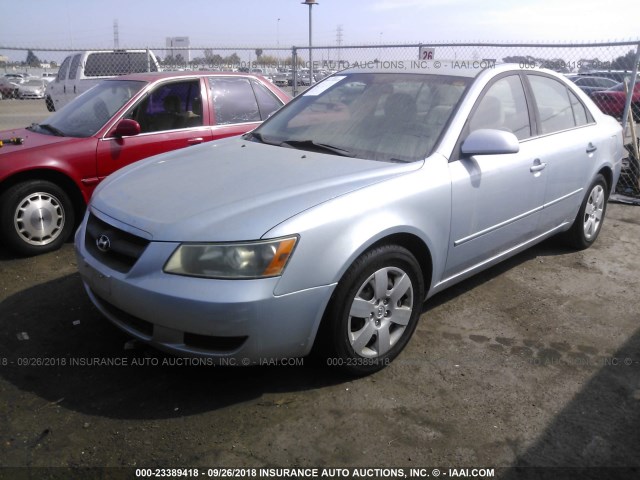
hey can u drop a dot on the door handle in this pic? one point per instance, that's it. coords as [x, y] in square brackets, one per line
[591, 148]
[537, 166]
[195, 141]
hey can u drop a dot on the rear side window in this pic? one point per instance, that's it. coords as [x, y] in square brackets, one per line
[579, 112]
[104, 64]
[233, 101]
[74, 66]
[554, 106]
[267, 101]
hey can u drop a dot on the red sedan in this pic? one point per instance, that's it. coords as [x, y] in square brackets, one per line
[48, 174]
[611, 101]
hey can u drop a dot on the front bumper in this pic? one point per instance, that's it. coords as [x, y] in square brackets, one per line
[224, 319]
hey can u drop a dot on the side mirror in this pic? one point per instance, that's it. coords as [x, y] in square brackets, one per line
[126, 128]
[490, 142]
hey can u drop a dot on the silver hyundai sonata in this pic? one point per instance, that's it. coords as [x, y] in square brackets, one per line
[330, 224]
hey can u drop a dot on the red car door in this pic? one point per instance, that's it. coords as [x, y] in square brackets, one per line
[171, 116]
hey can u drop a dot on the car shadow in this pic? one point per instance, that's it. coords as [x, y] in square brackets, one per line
[596, 435]
[46, 328]
[549, 248]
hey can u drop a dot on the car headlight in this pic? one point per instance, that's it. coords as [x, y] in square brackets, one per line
[246, 260]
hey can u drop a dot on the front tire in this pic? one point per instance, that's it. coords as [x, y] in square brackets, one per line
[36, 216]
[588, 222]
[50, 106]
[374, 311]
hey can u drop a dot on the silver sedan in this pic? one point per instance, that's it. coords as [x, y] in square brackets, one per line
[328, 226]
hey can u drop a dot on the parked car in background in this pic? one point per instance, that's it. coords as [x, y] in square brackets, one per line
[331, 223]
[46, 181]
[81, 71]
[592, 84]
[16, 77]
[283, 77]
[612, 101]
[32, 88]
[617, 75]
[49, 76]
[9, 87]
[265, 72]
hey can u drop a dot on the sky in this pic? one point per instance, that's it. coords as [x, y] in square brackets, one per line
[86, 24]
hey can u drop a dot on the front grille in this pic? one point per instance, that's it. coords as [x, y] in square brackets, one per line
[195, 341]
[120, 250]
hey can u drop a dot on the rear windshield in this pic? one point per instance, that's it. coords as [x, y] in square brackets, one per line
[104, 64]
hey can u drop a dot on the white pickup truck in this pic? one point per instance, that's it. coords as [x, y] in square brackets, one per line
[81, 71]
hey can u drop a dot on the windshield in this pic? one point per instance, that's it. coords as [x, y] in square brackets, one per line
[88, 113]
[393, 117]
[34, 83]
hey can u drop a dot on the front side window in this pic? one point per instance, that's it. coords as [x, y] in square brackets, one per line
[233, 101]
[503, 107]
[392, 117]
[169, 106]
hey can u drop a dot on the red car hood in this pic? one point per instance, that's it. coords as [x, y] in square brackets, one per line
[31, 140]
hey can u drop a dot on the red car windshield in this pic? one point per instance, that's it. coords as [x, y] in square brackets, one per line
[88, 113]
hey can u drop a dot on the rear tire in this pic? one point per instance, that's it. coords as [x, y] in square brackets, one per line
[588, 223]
[374, 310]
[36, 216]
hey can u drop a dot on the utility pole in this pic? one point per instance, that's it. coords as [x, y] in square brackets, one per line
[339, 42]
[311, 3]
[116, 39]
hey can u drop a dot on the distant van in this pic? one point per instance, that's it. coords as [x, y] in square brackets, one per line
[81, 71]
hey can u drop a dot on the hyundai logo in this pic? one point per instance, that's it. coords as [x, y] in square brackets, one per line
[103, 243]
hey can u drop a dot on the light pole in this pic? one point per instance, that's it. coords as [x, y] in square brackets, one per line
[311, 3]
[278, 40]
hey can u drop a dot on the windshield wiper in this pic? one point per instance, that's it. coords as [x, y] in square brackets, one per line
[54, 130]
[317, 147]
[257, 136]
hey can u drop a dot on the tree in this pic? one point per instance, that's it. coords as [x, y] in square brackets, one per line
[232, 59]
[625, 62]
[268, 60]
[259, 53]
[32, 60]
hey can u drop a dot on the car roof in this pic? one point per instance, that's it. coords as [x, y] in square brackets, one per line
[154, 76]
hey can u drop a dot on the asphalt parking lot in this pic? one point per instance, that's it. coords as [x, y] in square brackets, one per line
[535, 362]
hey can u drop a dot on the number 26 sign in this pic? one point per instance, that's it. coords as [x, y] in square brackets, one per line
[427, 53]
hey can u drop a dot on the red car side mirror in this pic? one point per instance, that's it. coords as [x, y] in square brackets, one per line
[126, 128]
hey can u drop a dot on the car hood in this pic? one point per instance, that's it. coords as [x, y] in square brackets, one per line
[31, 139]
[231, 189]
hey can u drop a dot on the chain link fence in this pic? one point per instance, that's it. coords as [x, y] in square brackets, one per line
[607, 72]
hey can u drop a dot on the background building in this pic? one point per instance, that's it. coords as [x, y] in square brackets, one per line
[178, 47]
